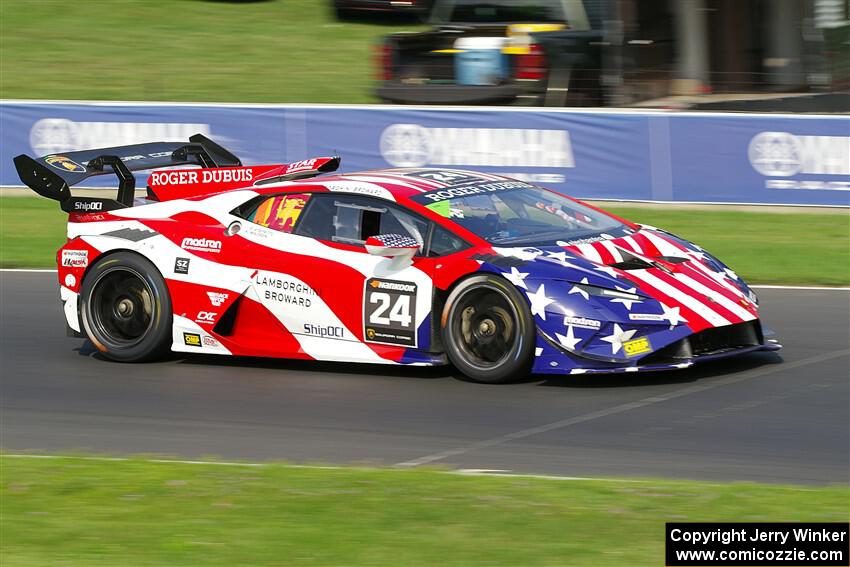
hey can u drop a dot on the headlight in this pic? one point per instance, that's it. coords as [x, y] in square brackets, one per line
[751, 295]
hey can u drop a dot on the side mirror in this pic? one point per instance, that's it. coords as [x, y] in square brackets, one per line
[392, 245]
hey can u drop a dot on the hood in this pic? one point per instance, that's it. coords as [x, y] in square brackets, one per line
[648, 277]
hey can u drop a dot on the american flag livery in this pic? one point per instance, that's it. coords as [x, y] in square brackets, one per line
[688, 293]
[364, 267]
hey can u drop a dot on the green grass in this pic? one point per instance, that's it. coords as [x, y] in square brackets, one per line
[768, 248]
[81, 512]
[186, 50]
[31, 231]
[787, 248]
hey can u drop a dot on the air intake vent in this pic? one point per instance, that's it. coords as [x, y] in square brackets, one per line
[632, 264]
[708, 342]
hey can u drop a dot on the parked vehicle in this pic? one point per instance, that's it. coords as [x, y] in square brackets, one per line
[485, 53]
[348, 8]
[529, 52]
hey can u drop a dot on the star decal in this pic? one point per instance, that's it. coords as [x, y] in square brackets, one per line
[672, 314]
[723, 279]
[525, 254]
[697, 255]
[570, 341]
[607, 269]
[618, 337]
[577, 289]
[516, 277]
[539, 301]
[626, 302]
[731, 274]
[561, 258]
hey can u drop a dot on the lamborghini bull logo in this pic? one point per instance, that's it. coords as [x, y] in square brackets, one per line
[65, 164]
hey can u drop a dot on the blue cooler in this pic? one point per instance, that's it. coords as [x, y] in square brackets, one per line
[480, 61]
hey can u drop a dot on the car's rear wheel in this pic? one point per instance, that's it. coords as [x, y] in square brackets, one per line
[125, 308]
[488, 330]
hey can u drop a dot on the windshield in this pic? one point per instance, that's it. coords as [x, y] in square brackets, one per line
[513, 213]
[500, 11]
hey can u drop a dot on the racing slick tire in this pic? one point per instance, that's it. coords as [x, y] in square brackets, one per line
[125, 308]
[488, 330]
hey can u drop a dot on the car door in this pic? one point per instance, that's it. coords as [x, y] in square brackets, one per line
[334, 298]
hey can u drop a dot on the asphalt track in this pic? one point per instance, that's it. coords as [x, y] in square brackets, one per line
[767, 417]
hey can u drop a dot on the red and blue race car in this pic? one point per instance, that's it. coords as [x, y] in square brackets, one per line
[400, 266]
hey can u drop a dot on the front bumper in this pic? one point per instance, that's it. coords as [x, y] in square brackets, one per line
[712, 344]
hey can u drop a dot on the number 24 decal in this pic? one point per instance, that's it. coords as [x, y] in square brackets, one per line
[398, 312]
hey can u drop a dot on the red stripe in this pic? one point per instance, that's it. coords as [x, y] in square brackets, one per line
[708, 272]
[259, 333]
[672, 242]
[685, 288]
[607, 257]
[427, 181]
[626, 243]
[646, 245]
[695, 321]
[704, 270]
[718, 288]
[421, 184]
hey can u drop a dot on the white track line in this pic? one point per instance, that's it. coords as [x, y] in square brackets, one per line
[459, 472]
[618, 409]
[804, 287]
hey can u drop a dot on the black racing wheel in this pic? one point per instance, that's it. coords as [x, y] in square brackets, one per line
[488, 330]
[125, 308]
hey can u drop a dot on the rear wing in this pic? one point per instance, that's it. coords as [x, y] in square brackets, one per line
[53, 175]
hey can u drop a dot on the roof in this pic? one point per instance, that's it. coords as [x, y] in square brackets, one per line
[394, 184]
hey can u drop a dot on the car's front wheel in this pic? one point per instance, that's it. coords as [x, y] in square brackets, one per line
[488, 330]
[125, 308]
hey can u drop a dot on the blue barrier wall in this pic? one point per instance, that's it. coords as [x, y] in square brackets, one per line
[652, 156]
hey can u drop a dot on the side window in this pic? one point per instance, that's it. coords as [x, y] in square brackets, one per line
[280, 212]
[352, 219]
[444, 242]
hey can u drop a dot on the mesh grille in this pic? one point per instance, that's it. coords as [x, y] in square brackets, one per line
[709, 341]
